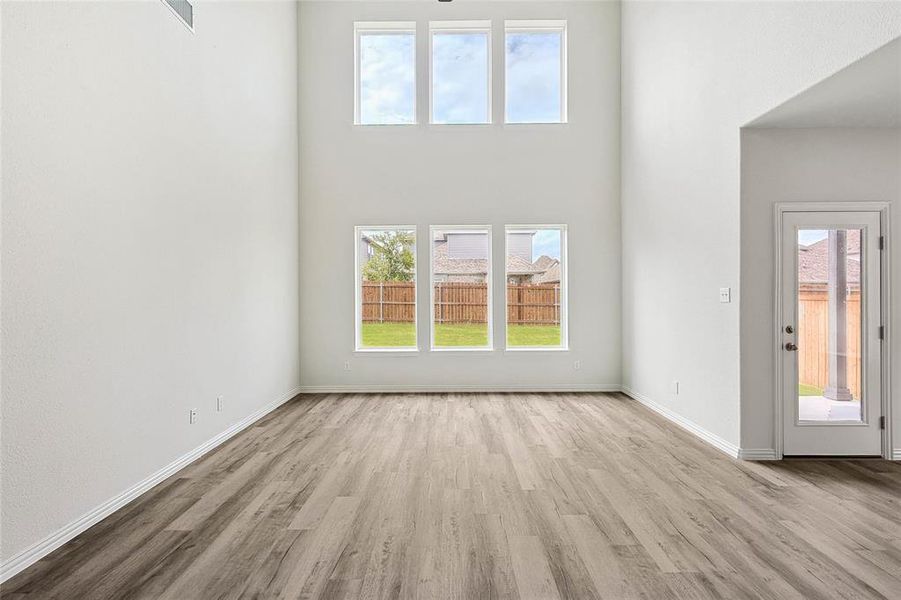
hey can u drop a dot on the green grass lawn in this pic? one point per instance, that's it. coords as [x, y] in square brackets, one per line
[809, 390]
[389, 335]
[533, 335]
[385, 335]
[461, 334]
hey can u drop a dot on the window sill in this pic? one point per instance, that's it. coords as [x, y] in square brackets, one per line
[461, 349]
[535, 124]
[382, 125]
[459, 125]
[536, 349]
[387, 352]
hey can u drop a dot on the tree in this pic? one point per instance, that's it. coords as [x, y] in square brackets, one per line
[392, 258]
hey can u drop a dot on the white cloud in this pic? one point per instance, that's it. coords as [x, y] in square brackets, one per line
[533, 77]
[460, 80]
[387, 76]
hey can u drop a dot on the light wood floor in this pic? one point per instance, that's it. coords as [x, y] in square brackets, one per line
[487, 496]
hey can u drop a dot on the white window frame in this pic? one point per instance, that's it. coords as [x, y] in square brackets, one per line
[358, 291]
[564, 289]
[383, 28]
[489, 275]
[441, 27]
[541, 26]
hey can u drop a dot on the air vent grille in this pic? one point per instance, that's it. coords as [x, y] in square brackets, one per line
[184, 10]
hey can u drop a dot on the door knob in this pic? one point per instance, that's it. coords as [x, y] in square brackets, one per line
[790, 347]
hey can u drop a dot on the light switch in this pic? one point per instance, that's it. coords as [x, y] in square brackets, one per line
[726, 295]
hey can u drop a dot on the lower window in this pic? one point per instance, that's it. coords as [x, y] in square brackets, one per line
[386, 288]
[461, 287]
[536, 287]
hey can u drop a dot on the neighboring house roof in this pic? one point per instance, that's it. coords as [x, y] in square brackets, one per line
[550, 270]
[517, 265]
[545, 262]
[813, 260]
[443, 265]
[456, 266]
[551, 274]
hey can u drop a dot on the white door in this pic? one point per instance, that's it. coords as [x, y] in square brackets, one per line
[830, 334]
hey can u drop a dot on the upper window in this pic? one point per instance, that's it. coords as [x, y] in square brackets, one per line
[461, 287]
[535, 57]
[460, 72]
[536, 287]
[385, 73]
[386, 288]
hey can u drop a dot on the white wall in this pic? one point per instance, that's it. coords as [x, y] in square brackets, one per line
[804, 165]
[449, 175]
[149, 229]
[693, 73]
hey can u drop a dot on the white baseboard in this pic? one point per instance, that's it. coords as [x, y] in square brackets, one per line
[425, 389]
[896, 454]
[50, 543]
[690, 426]
[757, 454]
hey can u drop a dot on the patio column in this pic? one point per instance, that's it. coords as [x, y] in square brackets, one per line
[837, 288]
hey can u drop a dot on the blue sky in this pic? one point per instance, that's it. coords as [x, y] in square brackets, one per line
[387, 78]
[546, 242]
[460, 78]
[533, 77]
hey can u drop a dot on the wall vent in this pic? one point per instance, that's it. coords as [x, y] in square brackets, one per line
[184, 10]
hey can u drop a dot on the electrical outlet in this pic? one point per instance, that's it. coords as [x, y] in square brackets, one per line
[725, 295]
[192, 417]
[577, 365]
[347, 365]
[676, 388]
[218, 403]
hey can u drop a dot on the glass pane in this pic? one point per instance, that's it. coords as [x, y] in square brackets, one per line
[534, 81]
[533, 287]
[829, 325]
[460, 77]
[387, 78]
[387, 260]
[460, 267]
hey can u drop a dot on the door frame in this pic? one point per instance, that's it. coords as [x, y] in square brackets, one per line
[883, 208]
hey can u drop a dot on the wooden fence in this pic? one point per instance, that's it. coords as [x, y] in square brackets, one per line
[813, 339]
[533, 304]
[460, 302]
[389, 301]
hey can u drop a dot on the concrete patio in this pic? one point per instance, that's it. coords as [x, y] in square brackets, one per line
[818, 408]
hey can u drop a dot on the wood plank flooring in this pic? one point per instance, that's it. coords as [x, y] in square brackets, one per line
[527, 496]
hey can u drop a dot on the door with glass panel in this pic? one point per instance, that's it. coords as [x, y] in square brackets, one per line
[830, 333]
